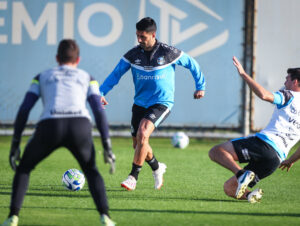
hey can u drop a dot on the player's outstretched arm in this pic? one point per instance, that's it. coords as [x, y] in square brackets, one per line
[19, 125]
[259, 90]
[102, 126]
[288, 163]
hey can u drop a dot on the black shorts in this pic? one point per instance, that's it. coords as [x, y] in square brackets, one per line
[262, 158]
[73, 133]
[156, 113]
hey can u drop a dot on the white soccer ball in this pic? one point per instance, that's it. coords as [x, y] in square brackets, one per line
[73, 180]
[180, 140]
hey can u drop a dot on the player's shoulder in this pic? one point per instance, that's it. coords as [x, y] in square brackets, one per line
[170, 53]
[132, 53]
[169, 49]
[287, 94]
[283, 98]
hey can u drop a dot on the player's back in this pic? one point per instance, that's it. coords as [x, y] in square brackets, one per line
[64, 91]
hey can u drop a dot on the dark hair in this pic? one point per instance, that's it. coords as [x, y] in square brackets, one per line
[294, 73]
[146, 24]
[67, 51]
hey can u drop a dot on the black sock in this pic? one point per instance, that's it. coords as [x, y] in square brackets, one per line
[135, 171]
[239, 173]
[153, 163]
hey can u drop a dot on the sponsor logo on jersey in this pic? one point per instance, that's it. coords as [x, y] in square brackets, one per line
[137, 61]
[65, 112]
[150, 77]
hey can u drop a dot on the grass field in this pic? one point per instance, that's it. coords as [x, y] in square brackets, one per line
[192, 193]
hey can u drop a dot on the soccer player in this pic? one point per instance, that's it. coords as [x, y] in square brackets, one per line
[152, 64]
[64, 122]
[268, 148]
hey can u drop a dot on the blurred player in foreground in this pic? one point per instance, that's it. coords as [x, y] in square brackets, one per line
[264, 151]
[152, 65]
[65, 122]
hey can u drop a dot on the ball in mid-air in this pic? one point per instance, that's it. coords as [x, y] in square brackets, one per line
[73, 180]
[180, 140]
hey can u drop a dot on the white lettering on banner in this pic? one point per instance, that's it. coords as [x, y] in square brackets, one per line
[117, 24]
[69, 20]
[21, 17]
[170, 23]
[167, 11]
[180, 36]
[3, 6]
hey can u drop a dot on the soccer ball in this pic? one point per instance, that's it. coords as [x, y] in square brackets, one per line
[180, 140]
[73, 180]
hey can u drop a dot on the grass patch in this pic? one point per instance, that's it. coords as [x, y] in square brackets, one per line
[192, 193]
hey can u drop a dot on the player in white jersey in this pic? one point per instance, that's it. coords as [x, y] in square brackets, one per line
[266, 150]
[65, 122]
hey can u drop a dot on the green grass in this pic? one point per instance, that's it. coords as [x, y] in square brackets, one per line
[192, 193]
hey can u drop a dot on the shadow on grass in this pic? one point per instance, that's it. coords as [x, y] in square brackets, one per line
[208, 212]
[70, 194]
[63, 194]
[171, 211]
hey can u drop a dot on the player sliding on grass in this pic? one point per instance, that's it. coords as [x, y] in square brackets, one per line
[266, 149]
[152, 65]
[65, 122]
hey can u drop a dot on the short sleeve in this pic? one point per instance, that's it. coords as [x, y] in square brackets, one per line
[282, 98]
[35, 85]
[93, 87]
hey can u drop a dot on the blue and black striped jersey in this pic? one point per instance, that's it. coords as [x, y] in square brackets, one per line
[154, 74]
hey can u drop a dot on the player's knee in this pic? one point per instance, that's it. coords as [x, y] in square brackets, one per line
[22, 169]
[142, 137]
[213, 153]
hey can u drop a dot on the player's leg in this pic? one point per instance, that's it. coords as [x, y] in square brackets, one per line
[225, 155]
[268, 162]
[143, 148]
[79, 142]
[156, 114]
[230, 187]
[137, 114]
[45, 139]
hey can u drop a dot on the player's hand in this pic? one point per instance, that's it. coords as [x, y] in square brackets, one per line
[110, 158]
[14, 154]
[238, 65]
[286, 164]
[199, 94]
[103, 100]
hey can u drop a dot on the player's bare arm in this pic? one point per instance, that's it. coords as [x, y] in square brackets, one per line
[199, 94]
[259, 90]
[288, 163]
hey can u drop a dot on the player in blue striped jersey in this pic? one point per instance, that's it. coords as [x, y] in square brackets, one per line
[65, 122]
[266, 150]
[152, 64]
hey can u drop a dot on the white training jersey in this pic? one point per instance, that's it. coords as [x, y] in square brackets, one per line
[283, 131]
[64, 91]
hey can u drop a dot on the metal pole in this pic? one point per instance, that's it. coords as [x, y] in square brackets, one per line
[248, 63]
